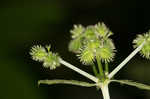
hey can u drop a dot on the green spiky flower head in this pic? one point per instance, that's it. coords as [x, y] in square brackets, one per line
[76, 42]
[102, 30]
[77, 31]
[105, 53]
[87, 53]
[49, 59]
[145, 51]
[38, 53]
[86, 56]
[91, 42]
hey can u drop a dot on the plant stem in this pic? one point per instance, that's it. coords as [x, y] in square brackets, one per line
[106, 68]
[93, 78]
[125, 61]
[94, 70]
[100, 67]
[105, 91]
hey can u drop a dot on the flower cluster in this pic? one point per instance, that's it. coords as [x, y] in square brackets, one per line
[145, 52]
[49, 59]
[91, 42]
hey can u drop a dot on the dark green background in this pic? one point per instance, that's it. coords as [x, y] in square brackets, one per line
[24, 23]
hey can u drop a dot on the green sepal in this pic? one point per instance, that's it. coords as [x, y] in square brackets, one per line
[70, 82]
[132, 83]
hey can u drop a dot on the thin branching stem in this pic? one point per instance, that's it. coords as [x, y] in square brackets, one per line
[91, 77]
[101, 72]
[62, 81]
[123, 63]
[94, 70]
[106, 68]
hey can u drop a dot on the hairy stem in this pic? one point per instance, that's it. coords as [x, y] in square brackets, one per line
[91, 77]
[123, 63]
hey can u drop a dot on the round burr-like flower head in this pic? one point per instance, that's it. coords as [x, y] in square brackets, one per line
[145, 51]
[49, 59]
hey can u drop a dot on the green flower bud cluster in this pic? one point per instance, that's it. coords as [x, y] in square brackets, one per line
[145, 51]
[91, 42]
[49, 59]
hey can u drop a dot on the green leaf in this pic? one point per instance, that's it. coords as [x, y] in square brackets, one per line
[70, 82]
[131, 83]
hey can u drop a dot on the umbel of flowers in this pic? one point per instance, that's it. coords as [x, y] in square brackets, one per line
[92, 42]
[94, 47]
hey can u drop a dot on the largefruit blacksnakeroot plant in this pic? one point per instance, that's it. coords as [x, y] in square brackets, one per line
[95, 48]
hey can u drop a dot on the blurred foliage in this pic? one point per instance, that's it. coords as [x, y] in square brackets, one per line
[17, 82]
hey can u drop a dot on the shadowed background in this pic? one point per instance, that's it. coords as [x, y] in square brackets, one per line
[24, 23]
